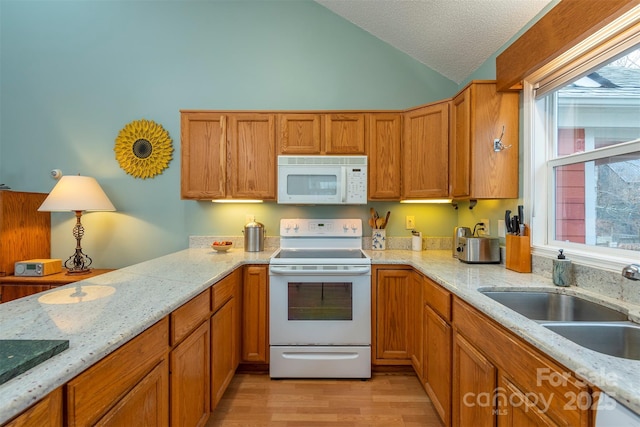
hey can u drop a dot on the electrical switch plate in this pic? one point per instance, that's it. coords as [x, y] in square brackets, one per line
[502, 232]
[410, 222]
[487, 227]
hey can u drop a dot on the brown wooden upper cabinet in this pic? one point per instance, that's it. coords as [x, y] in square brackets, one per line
[384, 149]
[440, 150]
[316, 133]
[425, 167]
[227, 155]
[480, 115]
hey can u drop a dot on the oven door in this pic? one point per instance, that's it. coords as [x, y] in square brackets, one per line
[320, 309]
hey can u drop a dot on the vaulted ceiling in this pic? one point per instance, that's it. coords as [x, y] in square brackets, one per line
[452, 37]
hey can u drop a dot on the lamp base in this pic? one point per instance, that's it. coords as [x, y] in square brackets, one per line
[78, 272]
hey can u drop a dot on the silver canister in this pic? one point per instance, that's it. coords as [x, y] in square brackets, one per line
[254, 233]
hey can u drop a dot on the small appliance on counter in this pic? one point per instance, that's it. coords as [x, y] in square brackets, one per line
[458, 233]
[475, 250]
[38, 267]
[479, 250]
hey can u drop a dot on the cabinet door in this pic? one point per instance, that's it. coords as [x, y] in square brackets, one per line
[190, 385]
[255, 320]
[494, 174]
[46, 413]
[253, 154]
[392, 317]
[437, 363]
[384, 150]
[425, 164]
[460, 145]
[203, 153]
[474, 385]
[223, 343]
[516, 410]
[144, 405]
[344, 133]
[299, 133]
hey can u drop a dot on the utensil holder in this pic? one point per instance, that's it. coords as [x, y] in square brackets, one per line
[378, 239]
[518, 253]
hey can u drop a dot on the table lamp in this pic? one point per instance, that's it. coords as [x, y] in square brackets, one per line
[77, 194]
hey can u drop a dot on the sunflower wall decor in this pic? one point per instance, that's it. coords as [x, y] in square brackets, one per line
[143, 149]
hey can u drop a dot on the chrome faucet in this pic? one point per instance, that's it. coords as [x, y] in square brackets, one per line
[631, 271]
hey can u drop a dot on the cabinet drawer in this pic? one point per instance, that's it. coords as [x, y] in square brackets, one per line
[438, 298]
[92, 393]
[525, 366]
[186, 318]
[223, 290]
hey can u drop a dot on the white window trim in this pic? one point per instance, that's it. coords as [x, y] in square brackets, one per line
[609, 41]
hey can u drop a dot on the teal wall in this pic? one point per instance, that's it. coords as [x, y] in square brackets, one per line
[73, 73]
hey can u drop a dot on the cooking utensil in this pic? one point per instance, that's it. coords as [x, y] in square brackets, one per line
[507, 221]
[521, 213]
[386, 219]
[380, 223]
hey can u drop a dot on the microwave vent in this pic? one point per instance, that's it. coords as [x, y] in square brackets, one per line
[323, 160]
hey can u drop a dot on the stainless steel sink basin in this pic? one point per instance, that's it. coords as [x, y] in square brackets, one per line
[614, 339]
[549, 306]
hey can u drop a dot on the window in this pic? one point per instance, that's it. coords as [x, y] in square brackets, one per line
[584, 157]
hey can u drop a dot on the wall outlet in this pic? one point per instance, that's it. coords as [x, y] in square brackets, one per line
[410, 222]
[249, 218]
[487, 227]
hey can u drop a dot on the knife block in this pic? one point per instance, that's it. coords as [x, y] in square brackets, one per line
[518, 253]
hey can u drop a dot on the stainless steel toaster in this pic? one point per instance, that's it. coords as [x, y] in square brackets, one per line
[459, 232]
[478, 250]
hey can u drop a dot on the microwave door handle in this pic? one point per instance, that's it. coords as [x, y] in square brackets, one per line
[344, 184]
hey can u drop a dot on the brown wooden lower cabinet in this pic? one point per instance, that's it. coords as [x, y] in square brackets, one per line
[46, 413]
[437, 339]
[475, 371]
[491, 365]
[474, 381]
[390, 340]
[436, 376]
[515, 409]
[135, 374]
[190, 390]
[146, 404]
[255, 314]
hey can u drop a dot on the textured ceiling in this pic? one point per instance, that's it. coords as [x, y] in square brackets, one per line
[453, 37]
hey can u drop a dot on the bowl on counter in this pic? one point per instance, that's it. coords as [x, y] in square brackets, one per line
[222, 246]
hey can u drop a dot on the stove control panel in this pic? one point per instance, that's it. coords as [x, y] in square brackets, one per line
[303, 227]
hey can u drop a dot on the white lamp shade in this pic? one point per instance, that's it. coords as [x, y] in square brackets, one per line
[76, 193]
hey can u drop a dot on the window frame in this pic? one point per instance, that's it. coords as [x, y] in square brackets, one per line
[538, 136]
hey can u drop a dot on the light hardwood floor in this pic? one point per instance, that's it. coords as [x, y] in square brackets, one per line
[385, 400]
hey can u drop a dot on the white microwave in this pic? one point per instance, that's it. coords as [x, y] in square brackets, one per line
[322, 180]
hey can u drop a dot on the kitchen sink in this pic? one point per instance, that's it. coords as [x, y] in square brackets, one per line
[550, 306]
[615, 339]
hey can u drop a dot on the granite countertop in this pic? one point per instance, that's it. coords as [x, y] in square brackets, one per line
[117, 306]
